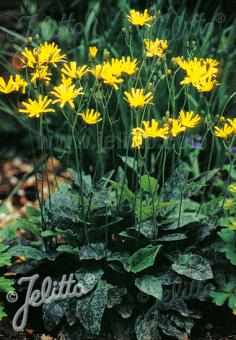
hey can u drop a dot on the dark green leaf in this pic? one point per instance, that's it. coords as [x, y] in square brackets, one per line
[53, 313]
[28, 252]
[147, 228]
[124, 258]
[144, 258]
[150, 285]
[130, 162]
[115, 296]
[146, 329]
[172, 237]
[175, 185]
[174, 222]
[90, 308]
[88, 278]
[149, 184]
[193, 266]
[66, 248]
[93, 251]
[194, 186]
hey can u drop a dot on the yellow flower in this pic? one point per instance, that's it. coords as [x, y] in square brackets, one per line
[107, 73]
[90, 116]
[7, 87]
[46, 53]
[139, 19]
[233, 124]
[34, 108]
[232, 187]
[111, 71]
[93, 50]
[66, 94]
[114, 67]
[40, 73]
[66, 81]
[97, 71]
[181, 62]
[156, 47]
[137, 98]
[71, 70]
[206, 85]
[20, 83]
[223, 132]
[110, 79]
[81, 71]
[49, 53]
[12, 84]
[128, 66]
[189, 119]
[137, 137]
[152, 130]
[201, 73]
[28, 57]
[175, 127]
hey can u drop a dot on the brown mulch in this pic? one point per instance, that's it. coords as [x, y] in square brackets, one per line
[20, 186]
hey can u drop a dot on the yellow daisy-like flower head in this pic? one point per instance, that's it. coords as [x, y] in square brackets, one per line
[137, 137]
[206, 85]
[29, 57]
[40, 73]
[49, 53]
[128, 66]
[189, 119]
[72, 71]
[46, 53]
[201, 73]
[90, 116]
[34, 108]
[66, 81]
[140, 19]
[81, 71]
[181, 62]
[155, 48]
[110, 72]
[66, 94]
[152, 130]
[223, 132]
[110, 79]
[137, 98]
[12, 84]
[20, 84]
[232, 123]
[97, 71]
[175, 127]
[93, 50]
[7, 86]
